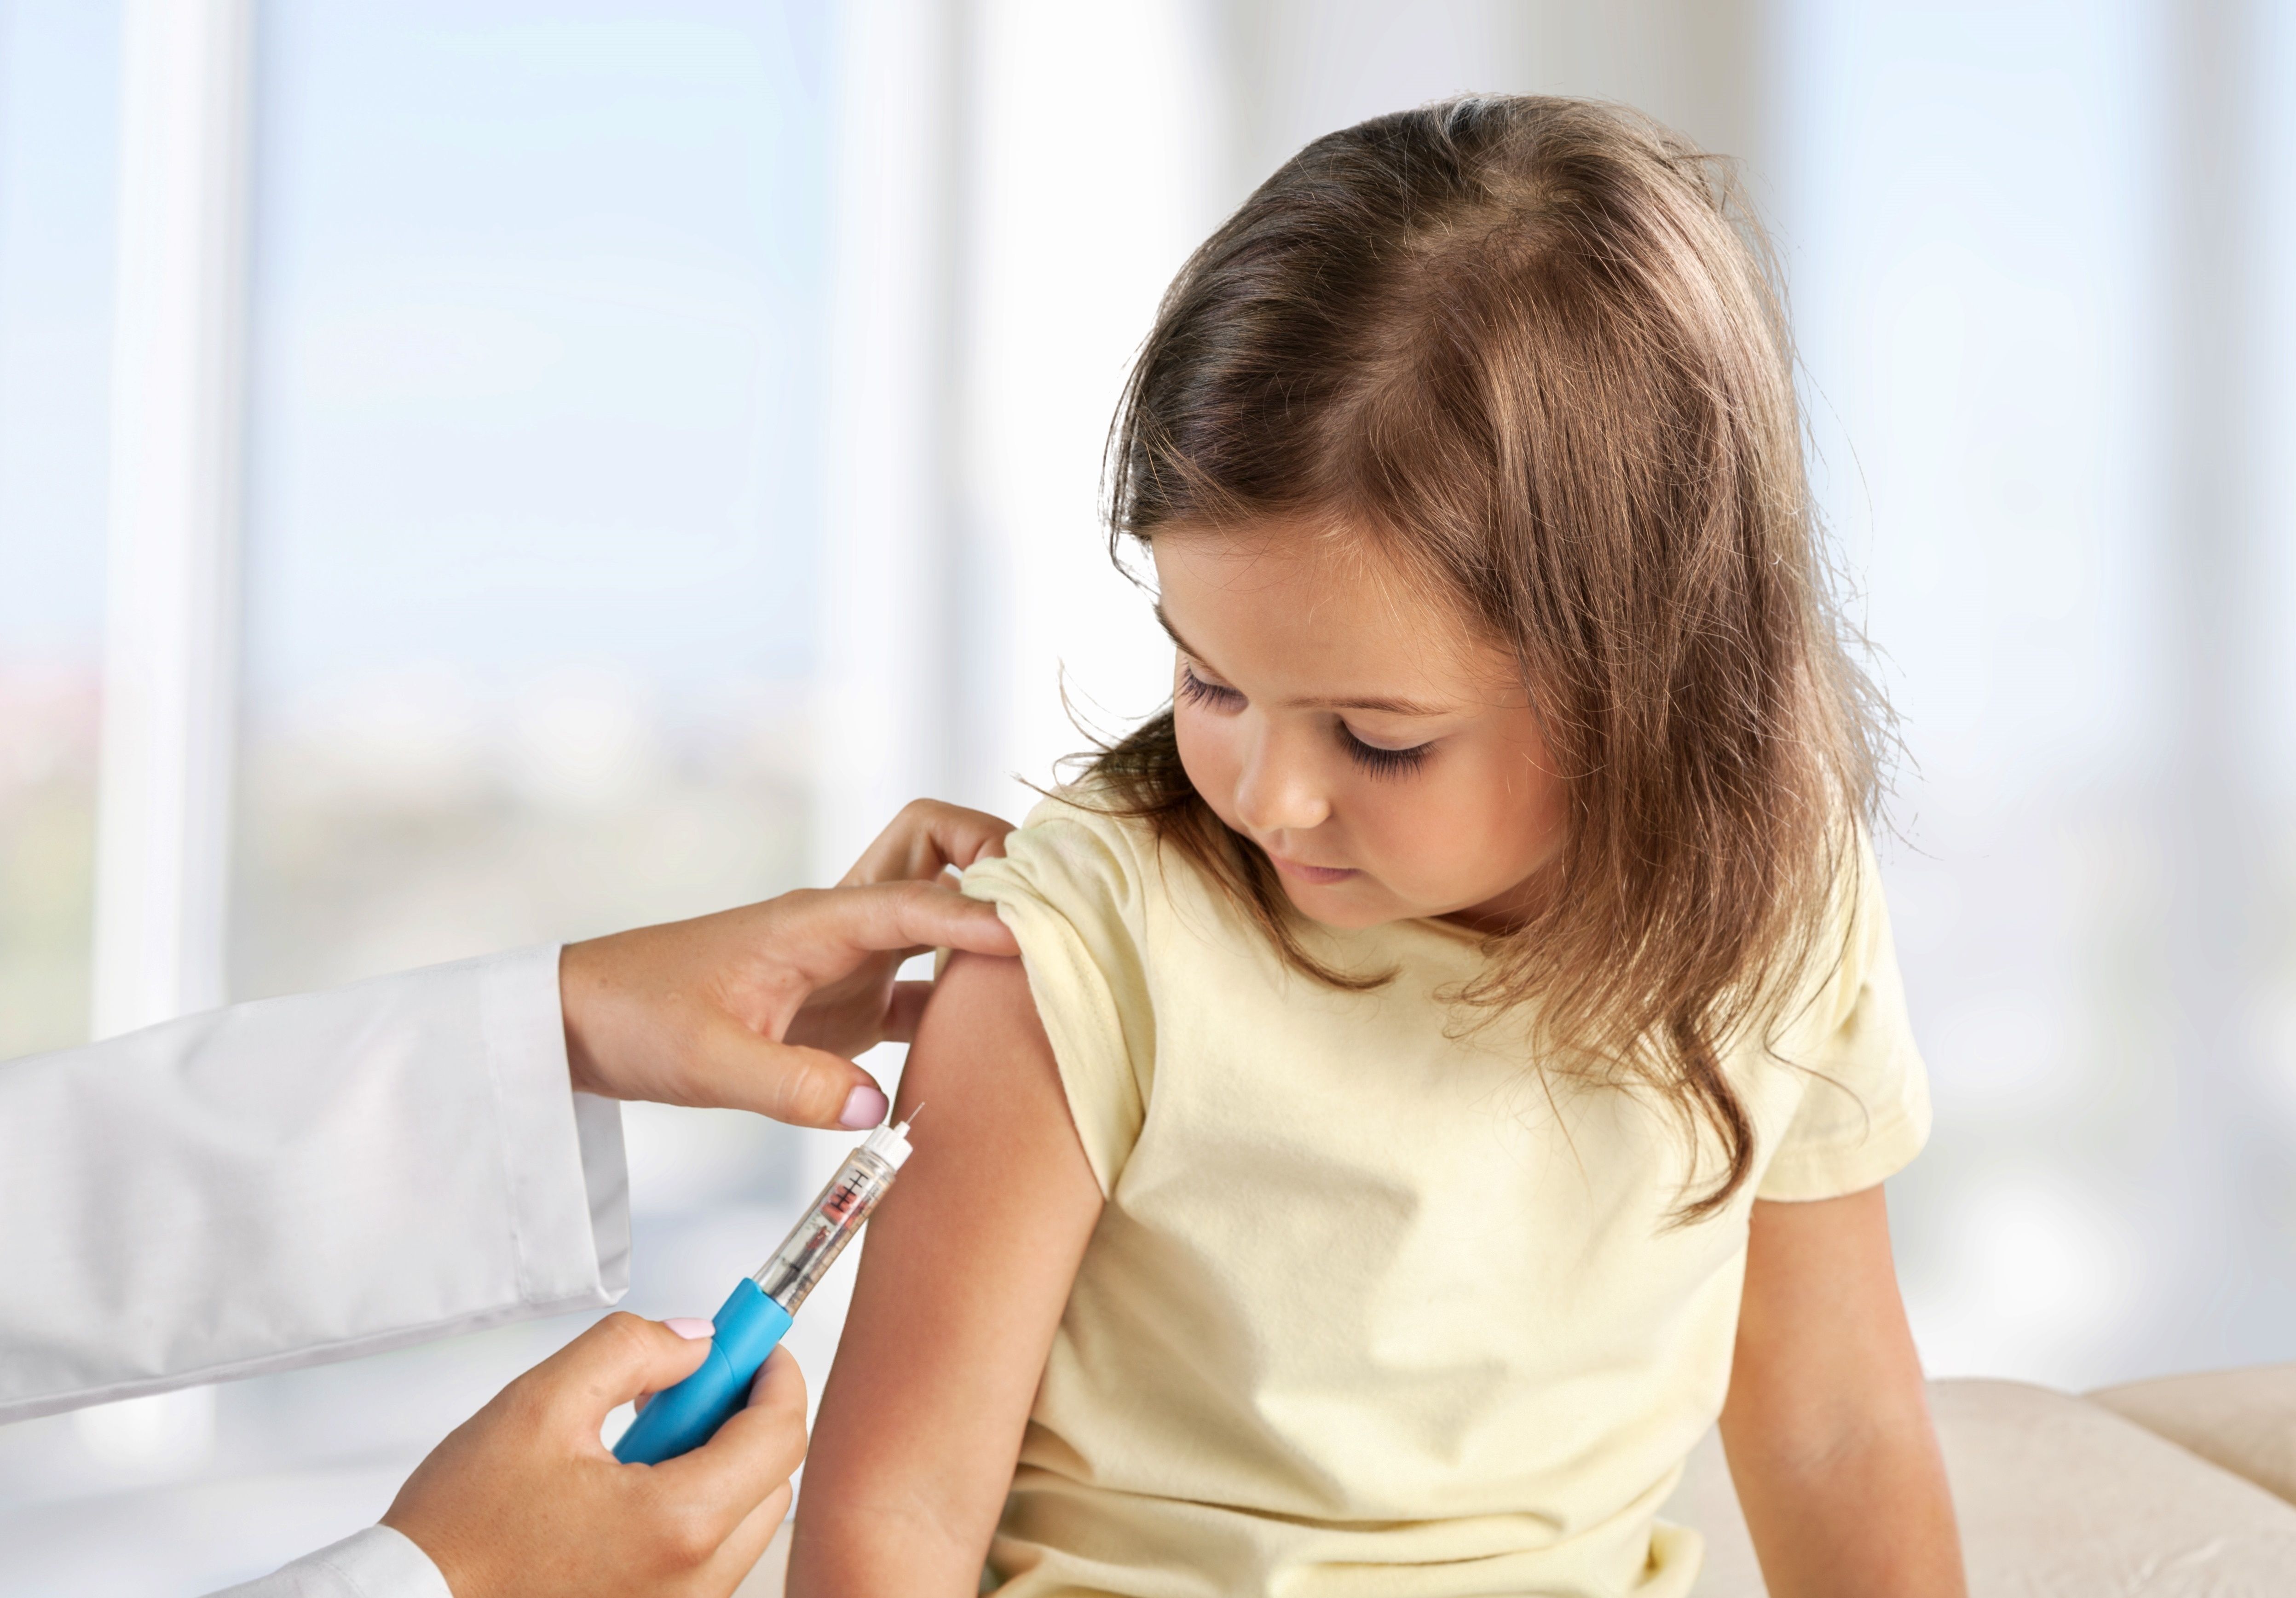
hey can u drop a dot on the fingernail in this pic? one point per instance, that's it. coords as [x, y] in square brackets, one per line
[864, 1107]
[688, 1327]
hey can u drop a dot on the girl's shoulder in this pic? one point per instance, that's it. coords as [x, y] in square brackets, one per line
[1849, 947]
[1080, 885]
[1858, 1107]
[1081, 855]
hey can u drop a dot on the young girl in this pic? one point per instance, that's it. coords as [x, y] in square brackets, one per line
[1456, 1046]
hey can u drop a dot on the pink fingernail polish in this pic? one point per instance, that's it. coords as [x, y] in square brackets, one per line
[864, 1107]
[689, 1328]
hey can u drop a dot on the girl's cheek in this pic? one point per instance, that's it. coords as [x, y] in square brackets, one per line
[1209, 758]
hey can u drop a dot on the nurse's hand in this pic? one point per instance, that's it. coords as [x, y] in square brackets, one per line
[522, 1498]
[761, 1008]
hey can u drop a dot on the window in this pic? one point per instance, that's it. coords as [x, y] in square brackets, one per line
[57, 109]
[525, 644]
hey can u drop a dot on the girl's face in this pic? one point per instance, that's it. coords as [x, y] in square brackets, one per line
[1386, 759]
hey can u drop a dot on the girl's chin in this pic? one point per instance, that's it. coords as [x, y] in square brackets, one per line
[1348, 906]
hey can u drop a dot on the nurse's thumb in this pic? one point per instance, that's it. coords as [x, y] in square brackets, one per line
[615, 1361]
[805, 1087]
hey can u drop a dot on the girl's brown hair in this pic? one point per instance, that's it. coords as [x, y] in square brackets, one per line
[1532, 349]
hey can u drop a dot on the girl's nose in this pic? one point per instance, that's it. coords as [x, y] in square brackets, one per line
[1278, 789]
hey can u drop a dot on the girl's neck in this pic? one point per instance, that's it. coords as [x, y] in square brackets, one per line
[1506, 912]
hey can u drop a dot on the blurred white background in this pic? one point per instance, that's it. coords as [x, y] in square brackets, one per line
[667, 437]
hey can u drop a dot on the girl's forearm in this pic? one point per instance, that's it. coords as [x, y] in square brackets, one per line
[1827, 1422]
[1873, 1515]
[873, 1550]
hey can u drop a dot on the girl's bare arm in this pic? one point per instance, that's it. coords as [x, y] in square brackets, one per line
[1827, 1425]
[965, 1272]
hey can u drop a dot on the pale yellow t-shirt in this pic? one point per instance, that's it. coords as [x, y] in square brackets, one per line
[1370, 1312]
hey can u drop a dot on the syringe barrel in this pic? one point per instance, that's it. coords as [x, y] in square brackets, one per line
[834, 1220]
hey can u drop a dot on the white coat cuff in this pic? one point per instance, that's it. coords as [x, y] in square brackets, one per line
[556, 1143]
[374, 1563]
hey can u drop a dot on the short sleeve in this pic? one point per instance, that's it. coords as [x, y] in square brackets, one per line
[1865, 1108]
[1071, 887]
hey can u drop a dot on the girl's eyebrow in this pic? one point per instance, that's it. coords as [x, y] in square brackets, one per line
[1387, 707]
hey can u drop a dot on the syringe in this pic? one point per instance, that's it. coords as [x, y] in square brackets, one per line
[759, 1308]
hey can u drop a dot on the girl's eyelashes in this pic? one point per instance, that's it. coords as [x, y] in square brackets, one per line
[1218, 696]
[1383, 762]
[1372, 757]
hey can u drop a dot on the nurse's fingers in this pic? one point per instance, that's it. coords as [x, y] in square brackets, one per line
[617, 1361]
[692, 1328]
[762, 1008]
[925, 839]
[733, 1067]
[522, 1501]
[750, 1460]
[627, 1357]
[844, 926]
[739, 1553]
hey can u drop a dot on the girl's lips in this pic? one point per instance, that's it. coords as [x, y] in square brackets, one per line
[1322, 875]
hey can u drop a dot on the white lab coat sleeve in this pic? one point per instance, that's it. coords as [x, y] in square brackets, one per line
[301, 1180]
[374, 1563]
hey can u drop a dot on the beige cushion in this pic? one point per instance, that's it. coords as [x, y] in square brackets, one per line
[2244, 1421]
[2057, 1495]
[2057, 1499]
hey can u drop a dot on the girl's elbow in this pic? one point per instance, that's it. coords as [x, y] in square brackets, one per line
[1815, 1434]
